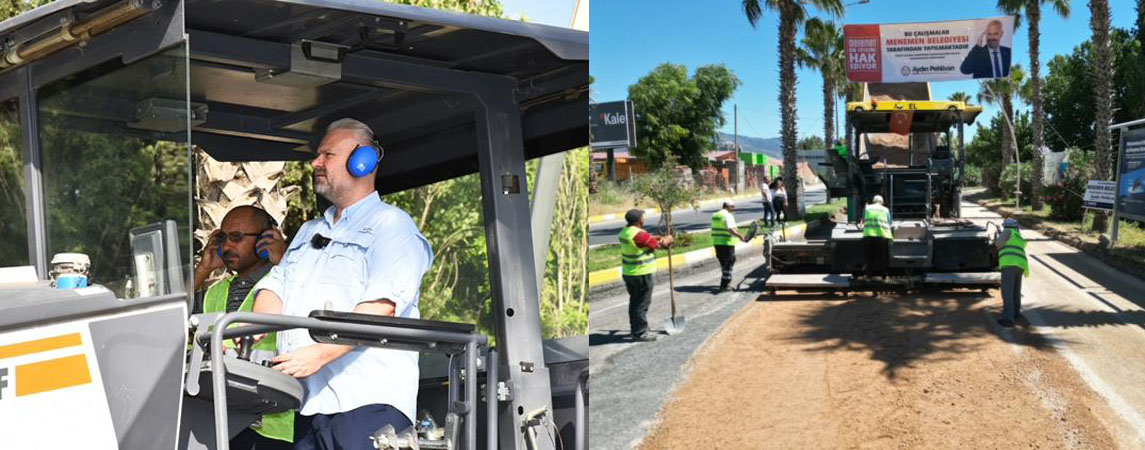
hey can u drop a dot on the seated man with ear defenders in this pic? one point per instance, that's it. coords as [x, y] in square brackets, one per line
[248, 244]
[361, 256]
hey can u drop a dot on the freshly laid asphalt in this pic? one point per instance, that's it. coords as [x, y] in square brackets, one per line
[636, 378]
[693, 221]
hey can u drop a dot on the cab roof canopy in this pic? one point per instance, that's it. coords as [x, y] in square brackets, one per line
[927, 116]
[271, 74]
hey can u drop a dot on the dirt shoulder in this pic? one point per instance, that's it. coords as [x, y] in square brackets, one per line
[894, 371]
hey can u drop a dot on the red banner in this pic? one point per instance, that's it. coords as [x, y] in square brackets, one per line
[864, 60]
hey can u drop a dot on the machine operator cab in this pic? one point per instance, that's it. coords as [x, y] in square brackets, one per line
[101, 102]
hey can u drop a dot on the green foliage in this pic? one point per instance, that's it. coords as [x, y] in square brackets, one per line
[811, 143]
[1068, 90]
[666, 187]
[12, 8]
[303, 205]
[973, 176]
[449, 214]
[1065, 198]
[564, 309]
[13, 226]
[822, 50]
[959, 96]
[985, 150]
[492, 8]
[1010, 177]
[679, 116]
[610, 193]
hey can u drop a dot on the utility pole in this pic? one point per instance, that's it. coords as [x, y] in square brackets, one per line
[735, 126]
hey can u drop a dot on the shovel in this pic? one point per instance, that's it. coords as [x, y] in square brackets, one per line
[676, 323]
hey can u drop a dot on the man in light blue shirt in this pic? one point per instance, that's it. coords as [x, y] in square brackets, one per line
[363, 256]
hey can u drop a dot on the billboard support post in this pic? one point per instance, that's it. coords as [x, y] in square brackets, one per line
[1117, 196]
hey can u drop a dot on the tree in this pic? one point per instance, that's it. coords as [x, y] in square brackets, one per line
[667, 189]
[1141, 23]
[984, 151]
[1033, 12]
[1001, 92]
[680, 116]
[960, 97]
[1068, 90]
[792, 13]
[823, 50]
[812, 143]
[963, 97]
[1099, 22]
[849, 92]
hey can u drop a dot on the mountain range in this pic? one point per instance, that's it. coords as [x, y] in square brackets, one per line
[768, 146]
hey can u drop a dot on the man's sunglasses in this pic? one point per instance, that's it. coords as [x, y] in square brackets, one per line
[235, 237]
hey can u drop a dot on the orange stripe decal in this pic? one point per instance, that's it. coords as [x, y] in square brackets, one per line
[40, 345]
[52, 374]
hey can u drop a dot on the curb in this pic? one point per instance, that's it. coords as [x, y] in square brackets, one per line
[599, 218]
[613, 275]
[1125, 265]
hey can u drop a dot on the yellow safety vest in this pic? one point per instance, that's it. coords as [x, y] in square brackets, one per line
[1013, 252]
[877, 222]
[721, 233]
[634, 260]
[274, 426]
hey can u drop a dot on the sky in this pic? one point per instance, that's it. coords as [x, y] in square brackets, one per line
[629, 38]
[548, 12]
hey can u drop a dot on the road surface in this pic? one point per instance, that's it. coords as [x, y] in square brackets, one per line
[917, 371]
[693, 220]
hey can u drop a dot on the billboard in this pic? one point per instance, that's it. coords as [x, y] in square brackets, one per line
[612, 125]
[929, 51]
[1131, 190]
[1099, 194]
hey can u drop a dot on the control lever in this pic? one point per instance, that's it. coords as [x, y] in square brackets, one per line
[246, 346]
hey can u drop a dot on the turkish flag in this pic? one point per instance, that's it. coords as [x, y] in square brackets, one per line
[900, 122]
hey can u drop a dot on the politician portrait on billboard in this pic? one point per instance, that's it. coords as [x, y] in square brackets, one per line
[929, 51]
[989, 58]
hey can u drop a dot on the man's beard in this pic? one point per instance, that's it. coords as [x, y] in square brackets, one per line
[323, 187]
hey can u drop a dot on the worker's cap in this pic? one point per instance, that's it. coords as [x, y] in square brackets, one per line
[730, 203]
[634, 215]
[1010, 223]
[878, 199]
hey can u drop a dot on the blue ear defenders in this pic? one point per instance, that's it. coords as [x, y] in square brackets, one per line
[364, 159]
[263, 253]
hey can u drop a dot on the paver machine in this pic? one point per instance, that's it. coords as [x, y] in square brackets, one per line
[901, 151]
[101, 102]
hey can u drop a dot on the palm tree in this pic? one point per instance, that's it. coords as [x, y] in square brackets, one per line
[823, 50]
[960, 97]
[792, 13]
[849, 91]
[1001, 92]
[1102, 94]
[964, 98]
[1033, 10]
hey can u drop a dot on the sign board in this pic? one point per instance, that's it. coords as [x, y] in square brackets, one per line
[1131, 191]
[817, 161]
[612, 125]
[1099, 195]
[929, 51]
[753, 159]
